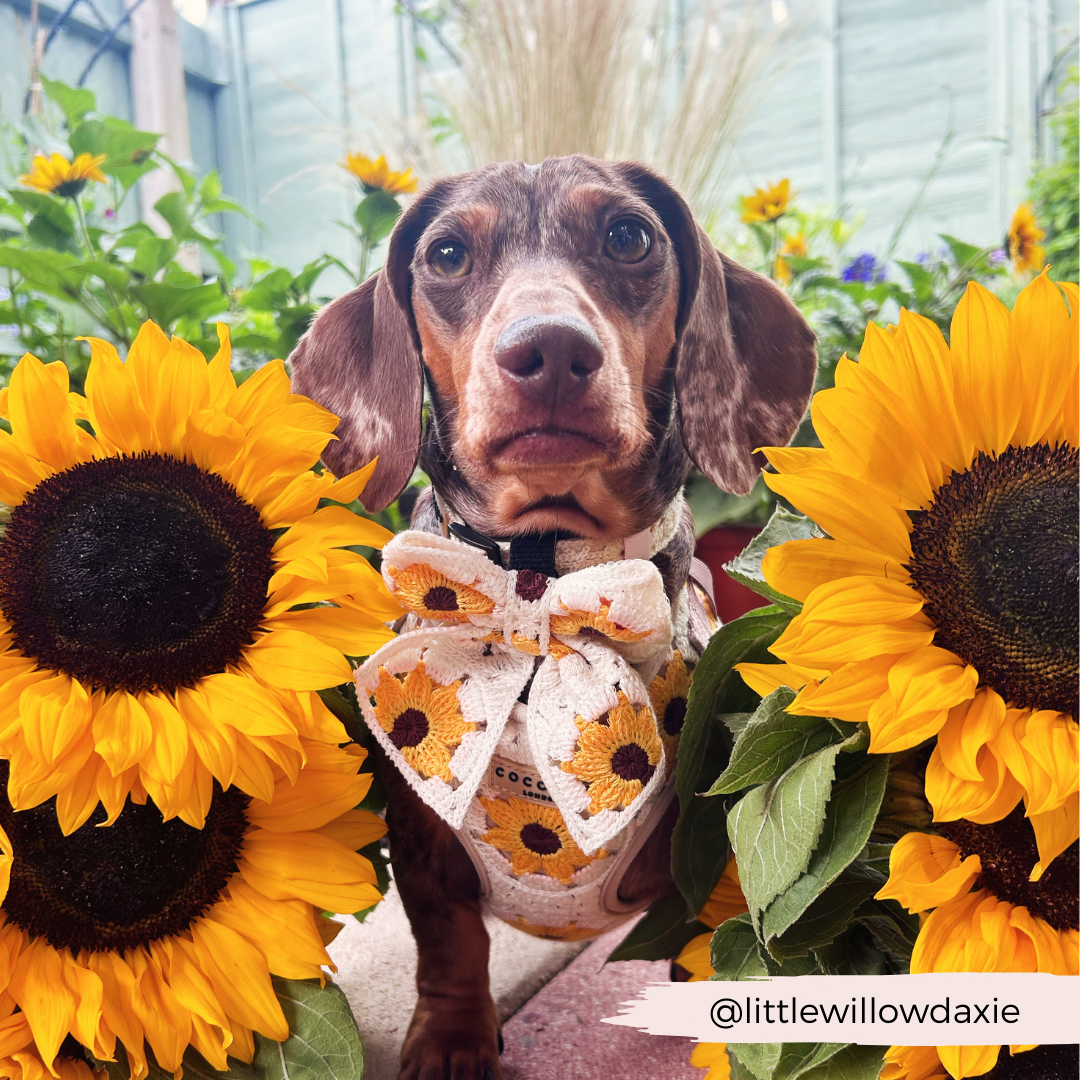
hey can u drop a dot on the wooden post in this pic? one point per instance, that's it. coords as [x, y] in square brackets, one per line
[158, 95]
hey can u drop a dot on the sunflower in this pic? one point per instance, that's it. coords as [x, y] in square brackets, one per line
[987, 914]
[432, 595]
[725, 902]
[767, 203]
[57, 176]
[423, 719]
[376, 175]
[616, 755]
[668, 692]
[714, 1057]
[1056, 1062]
[20, 1060]
[939, 604]
[570, 932]
[594, 624]
[535, 838]
[1023, 239]
[792, 245]
[165, 581]
[153, 931]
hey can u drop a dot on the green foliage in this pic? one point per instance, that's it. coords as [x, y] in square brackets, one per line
[745, 568]
[1055, 195]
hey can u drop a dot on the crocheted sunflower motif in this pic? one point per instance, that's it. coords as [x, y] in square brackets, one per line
[432, 595]
[616, 755]
[594, 624]
[668, 692]
[570, 932]
[535, 838]
[422, 718]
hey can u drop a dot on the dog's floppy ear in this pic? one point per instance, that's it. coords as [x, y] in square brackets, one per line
[361, 360]
[745, 357]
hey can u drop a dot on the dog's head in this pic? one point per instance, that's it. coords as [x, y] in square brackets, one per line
[580, 336]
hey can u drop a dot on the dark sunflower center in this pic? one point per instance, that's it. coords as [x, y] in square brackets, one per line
[539, 838]
[531, 584]
[1008, 852]
[410, 729]
[139, 573]
[114, 888]
[1049, 1062]
[996, 559]
[675, 715]
[441, 598]
[630, 762]
[69, 189]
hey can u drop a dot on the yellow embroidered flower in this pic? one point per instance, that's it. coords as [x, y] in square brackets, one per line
[166, 582]
[570, 932]
[594, 624]
[432, 595]
[987, 914]
[56, 175]
[616, 758]
[959, 1062]
[1023, 240]
[725, 902]
[668, 692]
[423, 719]
[535, 838]
[714, 1057]
[940, 602]
[375, 175]
[154, 932]
[768, 203]
[792, 245]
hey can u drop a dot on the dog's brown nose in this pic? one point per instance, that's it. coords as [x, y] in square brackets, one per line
[549, 357]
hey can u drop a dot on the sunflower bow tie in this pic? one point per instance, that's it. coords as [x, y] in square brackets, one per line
[439, 697]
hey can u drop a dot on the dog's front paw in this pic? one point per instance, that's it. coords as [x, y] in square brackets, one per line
[452, 1038]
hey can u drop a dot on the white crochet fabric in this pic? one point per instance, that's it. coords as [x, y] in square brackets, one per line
[492, 642]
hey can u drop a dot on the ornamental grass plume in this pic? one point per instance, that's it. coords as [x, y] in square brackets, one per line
[172, 596]
[942, 604]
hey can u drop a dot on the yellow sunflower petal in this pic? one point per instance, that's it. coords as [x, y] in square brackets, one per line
[986, 798]
[348, 631]
[37, 983]
[222, 382]
[294, 660]
[696, 957]
[20, 472]
[926, 871]
[763, 679]
[120, 421]
[122, 731]
[355, 829]
[847, 694]
[42, 420]
[1055, 830]
[965, 1061]
[800, 566]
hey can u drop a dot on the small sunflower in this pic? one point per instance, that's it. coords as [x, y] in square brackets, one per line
[432, 595]
[422, 718]
[1023, 241]
[792, 245]
[767, 203]
[594, 624]
[725, 902]
[535, 838]
[166, 582]
[151, 931]
[617, 756]
[940, 602]
[668, 692]
[714, 1057]
[375, 175]
[57, 176]
[570, 932]
[988, 915]
[960, 1062]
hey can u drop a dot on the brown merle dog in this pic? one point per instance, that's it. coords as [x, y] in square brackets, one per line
[582, 343]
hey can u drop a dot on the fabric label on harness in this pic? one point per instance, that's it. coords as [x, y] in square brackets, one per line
[514, 777]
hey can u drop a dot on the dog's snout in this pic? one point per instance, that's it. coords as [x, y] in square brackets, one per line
[549, 357]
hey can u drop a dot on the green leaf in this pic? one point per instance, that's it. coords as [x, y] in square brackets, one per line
[373, 852]
[127, 150]
[888, 921]
[922, 281]
[661, 934]
[49, 271]
[759, 1058]
[797, 1059]
[151, 254]
[74, 101]
[734, 950]
[699, 845]
[825, 918]
[165, 302]
[376, 215]
[966, 255]
[848, 820]
[851, 1063]
[856, 952]
[746, 566]
[44, 233]
[324, 1043]
[173, 207]
[53, 209]
[195, 1066]
[771, 743]
[775, 827]
[210, 188]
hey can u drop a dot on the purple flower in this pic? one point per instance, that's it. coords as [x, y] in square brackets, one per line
[998, 257]
[110, 213]
[864, 268]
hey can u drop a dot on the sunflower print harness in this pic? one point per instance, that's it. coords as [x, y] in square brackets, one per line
[529, 713]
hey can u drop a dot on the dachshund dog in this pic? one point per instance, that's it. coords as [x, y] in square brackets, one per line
[583, 344]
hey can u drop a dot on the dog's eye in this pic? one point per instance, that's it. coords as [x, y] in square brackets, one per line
[448, 258]
[627, 241]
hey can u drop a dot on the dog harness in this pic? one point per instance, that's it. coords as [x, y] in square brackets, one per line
[539, 716]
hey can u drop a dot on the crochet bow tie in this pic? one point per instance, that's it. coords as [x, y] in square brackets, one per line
[439, 697]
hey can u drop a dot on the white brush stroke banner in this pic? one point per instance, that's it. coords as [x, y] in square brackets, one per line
[969, 1009]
